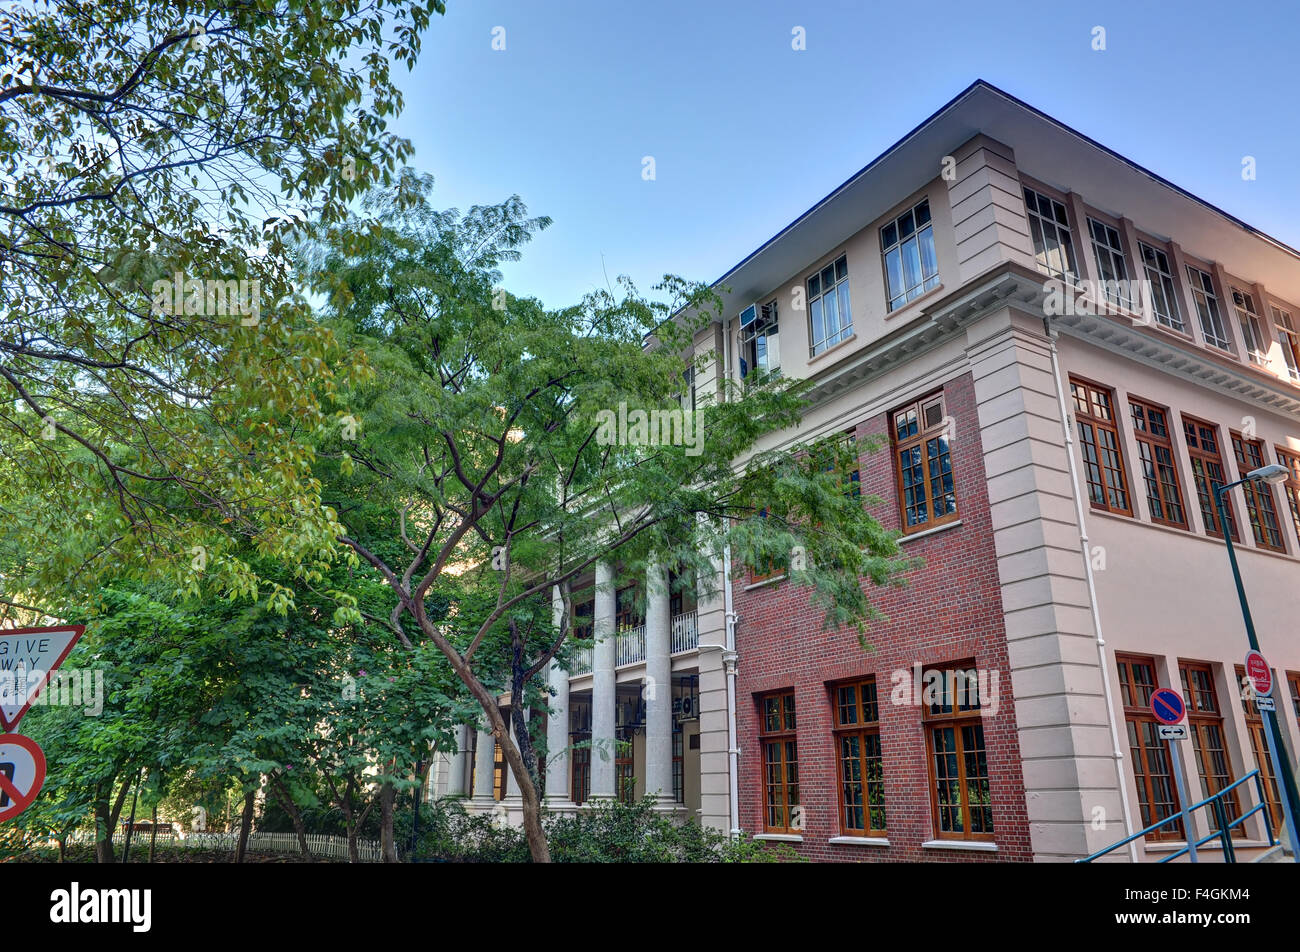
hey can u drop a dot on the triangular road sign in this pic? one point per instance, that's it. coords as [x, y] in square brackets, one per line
[27, 656]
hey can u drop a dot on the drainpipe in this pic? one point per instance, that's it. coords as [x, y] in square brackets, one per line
[1116, 753]
[729, 663]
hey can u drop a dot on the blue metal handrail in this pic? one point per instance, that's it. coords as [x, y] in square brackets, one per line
[1223, 831]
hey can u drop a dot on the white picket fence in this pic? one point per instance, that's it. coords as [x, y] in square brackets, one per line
[321, 845]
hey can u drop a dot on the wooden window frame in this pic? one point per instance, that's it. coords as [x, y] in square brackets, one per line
[1198, 454]
[1261, 505]
[1201, 724]
[1259, 744]
[1293, 688]
[865, 724]
[1135, 701]
[1086, 414]
[787, 733]
[1149, 440]
[1291, 488]
[921, 439]
[957, 717]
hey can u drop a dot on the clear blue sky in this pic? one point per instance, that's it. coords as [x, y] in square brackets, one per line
[747, 133]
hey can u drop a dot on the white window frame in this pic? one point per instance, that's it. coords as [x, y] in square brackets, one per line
[1254, 339]
[1290, 341]
[1163, 277]
[1105, 250]
[842, 331]
[768, 323]
[928, 282]
[1214, 336]
[1040, 227]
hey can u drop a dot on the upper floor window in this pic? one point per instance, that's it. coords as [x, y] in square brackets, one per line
[1109, 251]
[907, 244]
[1050, 227]
[1260, 509]
[1207, 472]
[1292, 488]
[759, 345]
[1094, 415]
[1286, 336]
[1252, 328]
[1164, 297]
[687, 397]
[829, 318]
[1159, 471]
[1207, 308]
[927, 493]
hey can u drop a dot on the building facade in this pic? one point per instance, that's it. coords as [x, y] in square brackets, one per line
[1064, 356]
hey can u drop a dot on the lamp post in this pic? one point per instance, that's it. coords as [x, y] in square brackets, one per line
[1272, 475]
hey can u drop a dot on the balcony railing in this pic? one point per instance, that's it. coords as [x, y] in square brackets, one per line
[581, 662]
[685, 633]
[631, 646]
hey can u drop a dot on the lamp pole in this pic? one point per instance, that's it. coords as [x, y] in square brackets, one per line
[1286, 777]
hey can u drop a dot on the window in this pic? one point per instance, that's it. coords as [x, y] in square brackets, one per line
[626, 616]
[1164, 297]
[857, 742]
[840, 454]
[1293, 682]
[1149, 755]
[687, 396]
[624, 769]
[759, 343]
[1253, 334]
[1259, 743]
[959, 770]
[1292, 487]
[500, 770]
[1207, 308]
[830, 320]
[1260, 509]
[775, 568]
[1050, 227]
[780, 763]
[679, 777]
[1206, 723]
[1109, 250]
[1207, 473]
[1159, 471]
[926, 490]
[907, 244]
[1094, 415]
[580, 757]
[1286, 336]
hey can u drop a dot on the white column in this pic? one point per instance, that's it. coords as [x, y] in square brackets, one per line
[456, 782]
[602, 686]
[658, 688]
[483, 770]
[557, 723]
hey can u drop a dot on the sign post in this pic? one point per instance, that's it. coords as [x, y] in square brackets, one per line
[1170, 711]
[1261, 679]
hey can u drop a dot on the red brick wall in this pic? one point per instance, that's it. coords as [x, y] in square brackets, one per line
[951, 611]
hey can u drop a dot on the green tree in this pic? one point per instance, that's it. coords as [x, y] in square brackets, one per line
[141, 141]
[484, 434]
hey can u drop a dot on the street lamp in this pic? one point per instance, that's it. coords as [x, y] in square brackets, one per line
[1269, 475]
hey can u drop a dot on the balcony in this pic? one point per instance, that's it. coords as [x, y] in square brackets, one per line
[685, 633]
[630, 648]
[581, 663]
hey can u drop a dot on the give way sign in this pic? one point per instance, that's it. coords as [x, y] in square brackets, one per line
[27, 656]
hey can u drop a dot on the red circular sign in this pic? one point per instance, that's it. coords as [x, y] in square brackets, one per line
[22, 771]
[1260, 674]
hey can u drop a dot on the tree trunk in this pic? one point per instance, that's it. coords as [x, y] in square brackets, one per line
[354, 854]
[538, 848]
[245, 824]
[295, 815]
[63, 848]
[153, 833]
[106, 823]
[387, 796]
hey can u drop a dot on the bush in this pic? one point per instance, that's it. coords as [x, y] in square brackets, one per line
[608, 833]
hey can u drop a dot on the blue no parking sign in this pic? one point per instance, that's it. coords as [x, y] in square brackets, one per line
[1168, 706]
